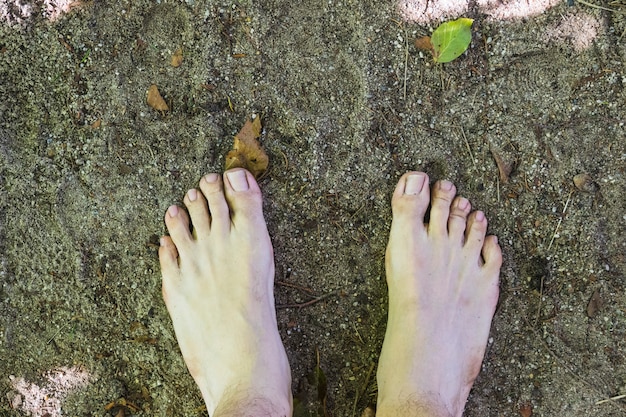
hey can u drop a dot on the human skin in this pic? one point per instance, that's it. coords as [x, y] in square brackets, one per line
[218, 288]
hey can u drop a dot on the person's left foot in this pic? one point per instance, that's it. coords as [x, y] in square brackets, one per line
[443, 290]
[218, 287]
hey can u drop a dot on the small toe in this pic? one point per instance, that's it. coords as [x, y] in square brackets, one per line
[177, 223]
[475, 232]
[492, 253]
[458, 218]
[410, 199]
[244, 197]
[168, 257]
[443, 194]
[213, 190]
[197, 206]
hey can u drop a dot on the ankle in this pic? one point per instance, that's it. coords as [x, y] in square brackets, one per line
[252, 402]
[416, 405]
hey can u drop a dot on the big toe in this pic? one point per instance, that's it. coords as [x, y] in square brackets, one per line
[410, 199]
[243, 196]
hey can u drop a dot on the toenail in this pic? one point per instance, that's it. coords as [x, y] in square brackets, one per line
[172, 211]
[414, 184]
[211, 177]
[463, 203]
[480, 216]
[162, 241]
[238, 180]
[445, 185]
[192, 194]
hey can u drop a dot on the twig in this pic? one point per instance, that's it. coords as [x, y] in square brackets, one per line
[308, 303]
[556, 230]
[285, 158]
[540, 300]
[406, 60]
[498, 187]
[64, 326]
[619, 397]
[296, 286]
[595, 6]
[469, 150]
[362, 390]
[357, 333]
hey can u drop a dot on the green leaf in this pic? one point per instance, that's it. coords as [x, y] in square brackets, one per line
[318, 379]
[299, 409]
[451, 39]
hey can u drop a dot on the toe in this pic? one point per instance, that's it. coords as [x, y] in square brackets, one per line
[168, 257]
[199, 213]
[475, 233]
[492, 254]
[213, 190]
[244, 197]
[177, 223]
[443, 194]
[458, 219]
[411, 198]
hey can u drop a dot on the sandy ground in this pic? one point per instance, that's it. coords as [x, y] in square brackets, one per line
[348, 104]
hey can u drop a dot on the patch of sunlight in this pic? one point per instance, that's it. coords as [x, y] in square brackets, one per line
[579, 29]
[20, 11]
[46, 400]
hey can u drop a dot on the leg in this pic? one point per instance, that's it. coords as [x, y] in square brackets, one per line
[218, 284]
[443, 289]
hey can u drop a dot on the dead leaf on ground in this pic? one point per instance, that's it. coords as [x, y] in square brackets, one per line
[424, 43]
[369, 412]
[177, 58]
[526, 410]
[584, 182]
[318, 379]
[505, 167]
[155, 100]
[247, 151]
[595, 304]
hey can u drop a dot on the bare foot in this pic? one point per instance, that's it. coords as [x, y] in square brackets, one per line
[218, 284]
[443, 289]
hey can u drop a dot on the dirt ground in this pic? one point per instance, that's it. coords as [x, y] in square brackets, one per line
[348, 104]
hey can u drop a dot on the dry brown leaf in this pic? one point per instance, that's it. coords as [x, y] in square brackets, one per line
[595, 304]
[96, 124]
[155, 100]
[505, 167]
[247, 152]
[424, 43]
[584, 182]
[526, 410]
[369, 412]
[177, 58]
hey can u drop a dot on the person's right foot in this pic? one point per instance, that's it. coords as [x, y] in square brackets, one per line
[218, 284]
[443, 289]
